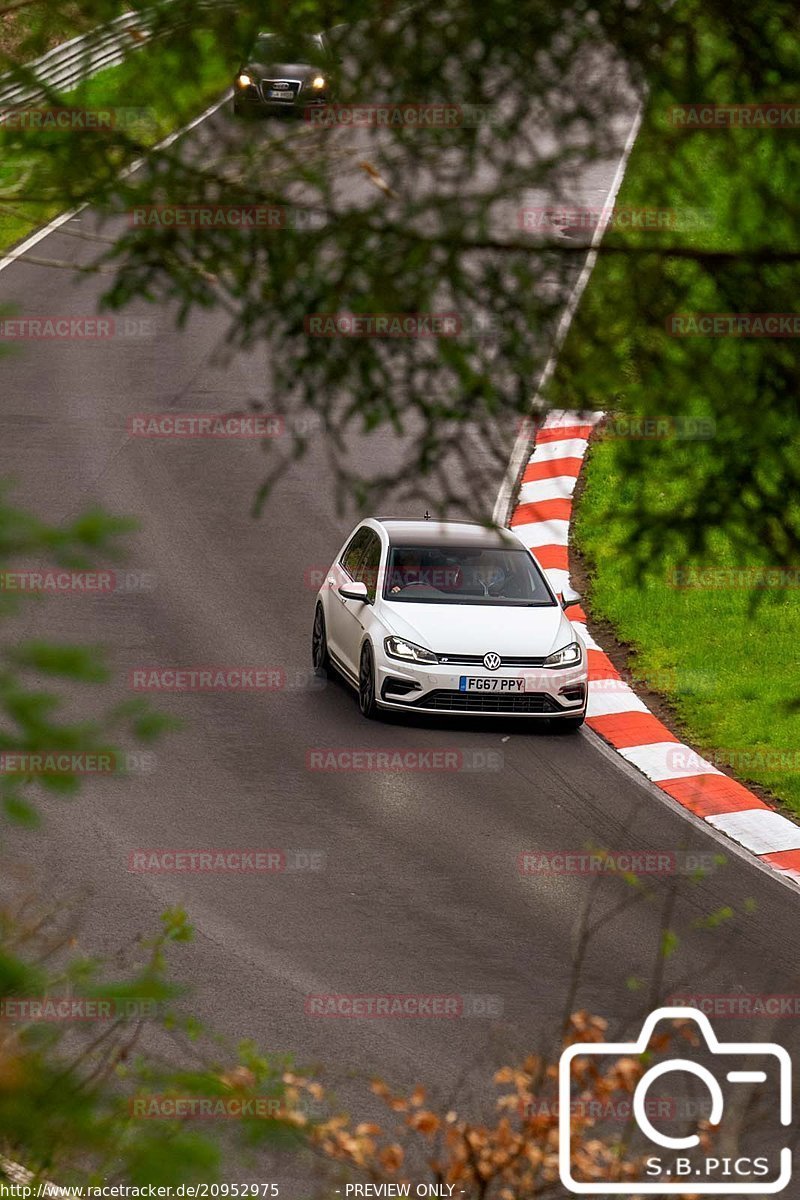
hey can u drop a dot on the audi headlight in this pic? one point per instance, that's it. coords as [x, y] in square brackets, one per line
[318, 82]
[245, 80]
[567, 656]
[407, 652]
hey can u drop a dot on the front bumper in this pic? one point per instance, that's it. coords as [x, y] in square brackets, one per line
[436, 689]
[255, 100]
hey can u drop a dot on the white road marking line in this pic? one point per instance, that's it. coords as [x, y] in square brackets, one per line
[521, 449]
[40, 234]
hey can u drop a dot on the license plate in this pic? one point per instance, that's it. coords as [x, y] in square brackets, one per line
[275, 94]
[473, 683]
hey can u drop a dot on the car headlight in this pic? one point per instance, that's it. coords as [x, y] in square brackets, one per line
[407, 651]
[567, 656]
[318, 82]
[245, 80]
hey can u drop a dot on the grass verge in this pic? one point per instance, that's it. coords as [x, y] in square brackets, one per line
[155, 91]
[673, 524]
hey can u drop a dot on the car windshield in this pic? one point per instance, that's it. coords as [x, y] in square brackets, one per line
[465, 575]
[305, 48]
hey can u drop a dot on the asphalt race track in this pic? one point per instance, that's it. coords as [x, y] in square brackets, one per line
[420, 891]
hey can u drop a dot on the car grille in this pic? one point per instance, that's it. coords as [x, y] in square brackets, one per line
[482, 702]
[288, 93]
[476, 660]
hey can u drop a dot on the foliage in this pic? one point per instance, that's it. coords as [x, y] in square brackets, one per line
[421, 220]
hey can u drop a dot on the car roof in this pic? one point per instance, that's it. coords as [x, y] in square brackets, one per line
[435, 532]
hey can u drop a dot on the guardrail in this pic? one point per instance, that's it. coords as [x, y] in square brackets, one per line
[67, 65]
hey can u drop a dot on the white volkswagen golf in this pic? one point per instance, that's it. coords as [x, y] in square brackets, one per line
[448, 617]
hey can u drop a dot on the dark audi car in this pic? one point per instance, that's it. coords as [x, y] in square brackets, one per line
[285, 75]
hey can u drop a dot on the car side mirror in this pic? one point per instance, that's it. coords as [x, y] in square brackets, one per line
[354, 591]
[569, 596]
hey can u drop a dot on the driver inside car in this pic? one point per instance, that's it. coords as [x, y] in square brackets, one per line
[487, 576]
[407, 572]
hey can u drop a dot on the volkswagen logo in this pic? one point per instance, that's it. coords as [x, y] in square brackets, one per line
[491, 661]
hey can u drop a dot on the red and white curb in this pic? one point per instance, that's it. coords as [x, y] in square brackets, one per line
[542, 519]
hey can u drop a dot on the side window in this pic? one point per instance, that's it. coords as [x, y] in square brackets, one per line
[367, 566]
[354, 551]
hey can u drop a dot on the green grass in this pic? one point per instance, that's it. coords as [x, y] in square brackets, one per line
[730, 654]
[734, 666]
[154, 79]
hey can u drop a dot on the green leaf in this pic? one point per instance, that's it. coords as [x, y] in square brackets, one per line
[82, 663]
[669, 943]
